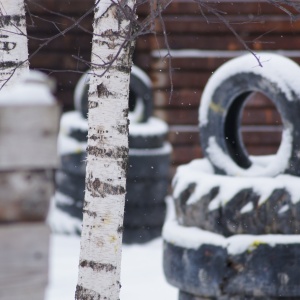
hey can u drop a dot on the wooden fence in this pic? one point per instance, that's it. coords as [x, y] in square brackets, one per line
[199, 44]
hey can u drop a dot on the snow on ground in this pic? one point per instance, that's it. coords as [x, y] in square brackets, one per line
[141, 273]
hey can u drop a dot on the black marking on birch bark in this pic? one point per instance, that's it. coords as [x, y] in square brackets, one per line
[15, 20]
[103, 91]
[102, 189]
[97, 266]
[7, 46]
[94, 137]
[116, 153]
[3, 36]
[125, 113]
[123, 165]
[90, 213]
[8, 64]
[93, 104]
[86, 294]
[120, 229]
[122, 129]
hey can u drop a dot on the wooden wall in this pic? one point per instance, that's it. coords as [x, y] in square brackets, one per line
[199, 45]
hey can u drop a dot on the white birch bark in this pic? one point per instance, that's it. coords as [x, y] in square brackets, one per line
[13, 42]
[101, 239]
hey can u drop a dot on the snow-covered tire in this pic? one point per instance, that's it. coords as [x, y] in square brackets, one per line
[74, 163]
[73, 125]
[148, 135]
[140, 95]
[207, 264]
[149, 163]
[70, 185]
[235, 205]
[69, 205]
[146, 191]
[140, 235]
[222, 103]
[149, 216]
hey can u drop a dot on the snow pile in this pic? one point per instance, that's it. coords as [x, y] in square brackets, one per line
[34, 88]
[272, 70]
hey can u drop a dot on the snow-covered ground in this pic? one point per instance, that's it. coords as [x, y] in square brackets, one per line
[142, 275]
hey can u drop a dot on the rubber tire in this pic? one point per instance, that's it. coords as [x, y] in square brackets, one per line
[149, 216]
[146, 192]
[70, 184]
[209, 271]
[73, 125]
[71, 206]
[140, 235]
[74, 163]
[150, 134]
[138, 88]
[228, 219]
[149, 163]
[182, 268]
[224, 114]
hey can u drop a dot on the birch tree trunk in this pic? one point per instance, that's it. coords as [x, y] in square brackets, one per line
[13, 42]
[101, 239]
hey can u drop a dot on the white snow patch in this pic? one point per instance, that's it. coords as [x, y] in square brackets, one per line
[283, 209]
[153, 126]
[61, 222]
[273, 165]
[247, 208]
[34, 88]
[166, 149]
[285, 77]
[195, 53]
[72, 120]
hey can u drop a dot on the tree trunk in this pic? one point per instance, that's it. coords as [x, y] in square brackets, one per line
[101, 240]
[13, 42]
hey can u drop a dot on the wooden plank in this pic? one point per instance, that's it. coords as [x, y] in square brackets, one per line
[180, 98]
[24, 261]
[25, 195]
[228, 42]
[31, 141]
[260, 24]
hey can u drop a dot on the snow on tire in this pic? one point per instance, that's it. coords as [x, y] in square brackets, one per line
[222, 103]
[148, 135]
[140, 95]
[236, 205]
[149, 163]
[204, 264]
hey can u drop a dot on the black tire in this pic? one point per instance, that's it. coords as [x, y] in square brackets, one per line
[140, 235]
[140, 95]
[70, 206]
[243, 213]
[72, 124]
[70, 184]
[146, 192]
[244, 267]
[196, 271]
[222, 103]
[149, 163]
[74, 163]
[151, 134]
[147, 216]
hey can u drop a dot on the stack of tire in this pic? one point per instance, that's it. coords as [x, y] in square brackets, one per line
[148, 165]
[233, 230]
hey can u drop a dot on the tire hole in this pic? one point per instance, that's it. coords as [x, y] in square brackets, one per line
[261, 125]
